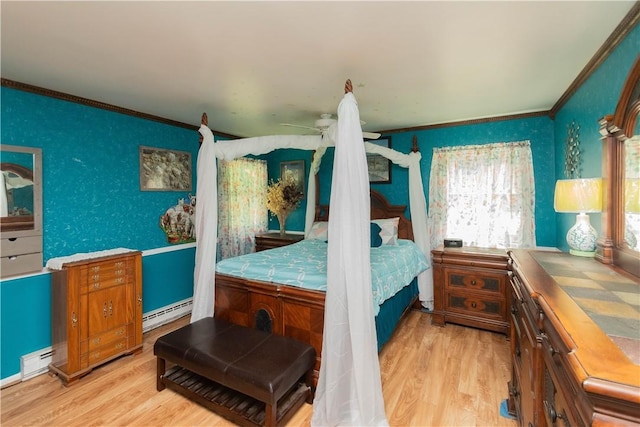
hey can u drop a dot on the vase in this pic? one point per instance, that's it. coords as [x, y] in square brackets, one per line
[282, 219]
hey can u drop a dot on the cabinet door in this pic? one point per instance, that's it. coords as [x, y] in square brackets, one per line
[107, 309]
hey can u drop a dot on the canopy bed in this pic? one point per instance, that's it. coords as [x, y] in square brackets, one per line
[349, 387]
[252, 290]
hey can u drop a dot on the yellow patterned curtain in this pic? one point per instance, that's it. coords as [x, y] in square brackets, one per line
[242, 212]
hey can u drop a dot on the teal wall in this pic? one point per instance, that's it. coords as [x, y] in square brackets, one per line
[91, 201]
[295, 221]
[596, 98]
[538, 130]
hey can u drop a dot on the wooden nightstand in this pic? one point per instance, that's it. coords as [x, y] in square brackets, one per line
[275, 240]
[471, 288]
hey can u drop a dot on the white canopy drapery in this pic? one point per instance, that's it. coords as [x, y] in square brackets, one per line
[349, 391]
[207, 212]
[349, 388]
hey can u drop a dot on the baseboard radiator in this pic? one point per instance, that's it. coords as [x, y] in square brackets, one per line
[166, 314]
[37, 363]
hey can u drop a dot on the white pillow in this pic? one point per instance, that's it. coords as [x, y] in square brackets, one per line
[319, 230]
[389, 230]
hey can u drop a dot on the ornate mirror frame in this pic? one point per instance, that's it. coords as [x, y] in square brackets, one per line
[615, 130]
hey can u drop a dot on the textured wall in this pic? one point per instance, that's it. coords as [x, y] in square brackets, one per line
[91, 192]
[596, 98]
[538, 130]
[91, 201]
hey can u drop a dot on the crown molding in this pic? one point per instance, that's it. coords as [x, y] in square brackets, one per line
[622, 30]
[101, 105]
[466, 122]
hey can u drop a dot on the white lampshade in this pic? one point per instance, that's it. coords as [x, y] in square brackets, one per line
[580, 196]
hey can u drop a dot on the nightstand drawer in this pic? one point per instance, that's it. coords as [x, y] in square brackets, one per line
[476, 305]
[471, 287]
[475, 280]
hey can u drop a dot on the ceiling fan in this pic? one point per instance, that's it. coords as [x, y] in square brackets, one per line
[323, 123]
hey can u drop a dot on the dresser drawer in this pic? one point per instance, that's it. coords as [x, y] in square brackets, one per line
[21, 264]
[476, 280]
[21, 245]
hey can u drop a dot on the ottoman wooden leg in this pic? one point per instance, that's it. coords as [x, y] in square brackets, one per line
[160, 369]
[271, 415]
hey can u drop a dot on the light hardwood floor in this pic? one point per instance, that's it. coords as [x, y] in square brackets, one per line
[431, 376]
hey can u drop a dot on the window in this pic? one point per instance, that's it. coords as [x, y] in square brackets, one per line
[242, 211]
[484, 195]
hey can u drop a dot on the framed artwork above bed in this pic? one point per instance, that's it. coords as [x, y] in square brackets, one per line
[296, 170]
[379, 166]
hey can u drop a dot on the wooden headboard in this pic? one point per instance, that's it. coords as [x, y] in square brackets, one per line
[380, 209]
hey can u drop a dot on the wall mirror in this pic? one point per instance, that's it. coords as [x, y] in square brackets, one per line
[20, 191]
[619, 244]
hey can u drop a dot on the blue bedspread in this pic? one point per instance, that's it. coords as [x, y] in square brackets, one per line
[304, 264]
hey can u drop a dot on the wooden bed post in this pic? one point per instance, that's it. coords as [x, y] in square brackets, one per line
[205, 121]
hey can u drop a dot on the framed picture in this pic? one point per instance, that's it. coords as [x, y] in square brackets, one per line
[379, 166]
[296, 170]
[164, 170]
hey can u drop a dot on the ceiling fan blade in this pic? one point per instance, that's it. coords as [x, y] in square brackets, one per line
[371, 135]
[301, 126]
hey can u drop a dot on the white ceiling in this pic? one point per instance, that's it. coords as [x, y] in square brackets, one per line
[253, 65]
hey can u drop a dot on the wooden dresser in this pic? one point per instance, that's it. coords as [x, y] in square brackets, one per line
[575, 342]
[96, 313]
[471, 288]
[275, 240]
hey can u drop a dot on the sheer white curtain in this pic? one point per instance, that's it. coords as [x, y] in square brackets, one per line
[484, 195]
[242, 212]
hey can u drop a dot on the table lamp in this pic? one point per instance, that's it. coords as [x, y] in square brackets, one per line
[580, 196]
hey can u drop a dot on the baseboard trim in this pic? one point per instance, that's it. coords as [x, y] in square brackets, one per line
[12, 380]
[166, 314]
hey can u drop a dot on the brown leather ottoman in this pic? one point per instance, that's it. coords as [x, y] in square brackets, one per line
[251, 377]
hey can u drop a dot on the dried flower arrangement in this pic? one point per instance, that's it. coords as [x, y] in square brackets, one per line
[283, 197]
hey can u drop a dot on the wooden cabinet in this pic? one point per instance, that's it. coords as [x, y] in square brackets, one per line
[471, 288]
[275, 240]
[573, 367]
[96, 313]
